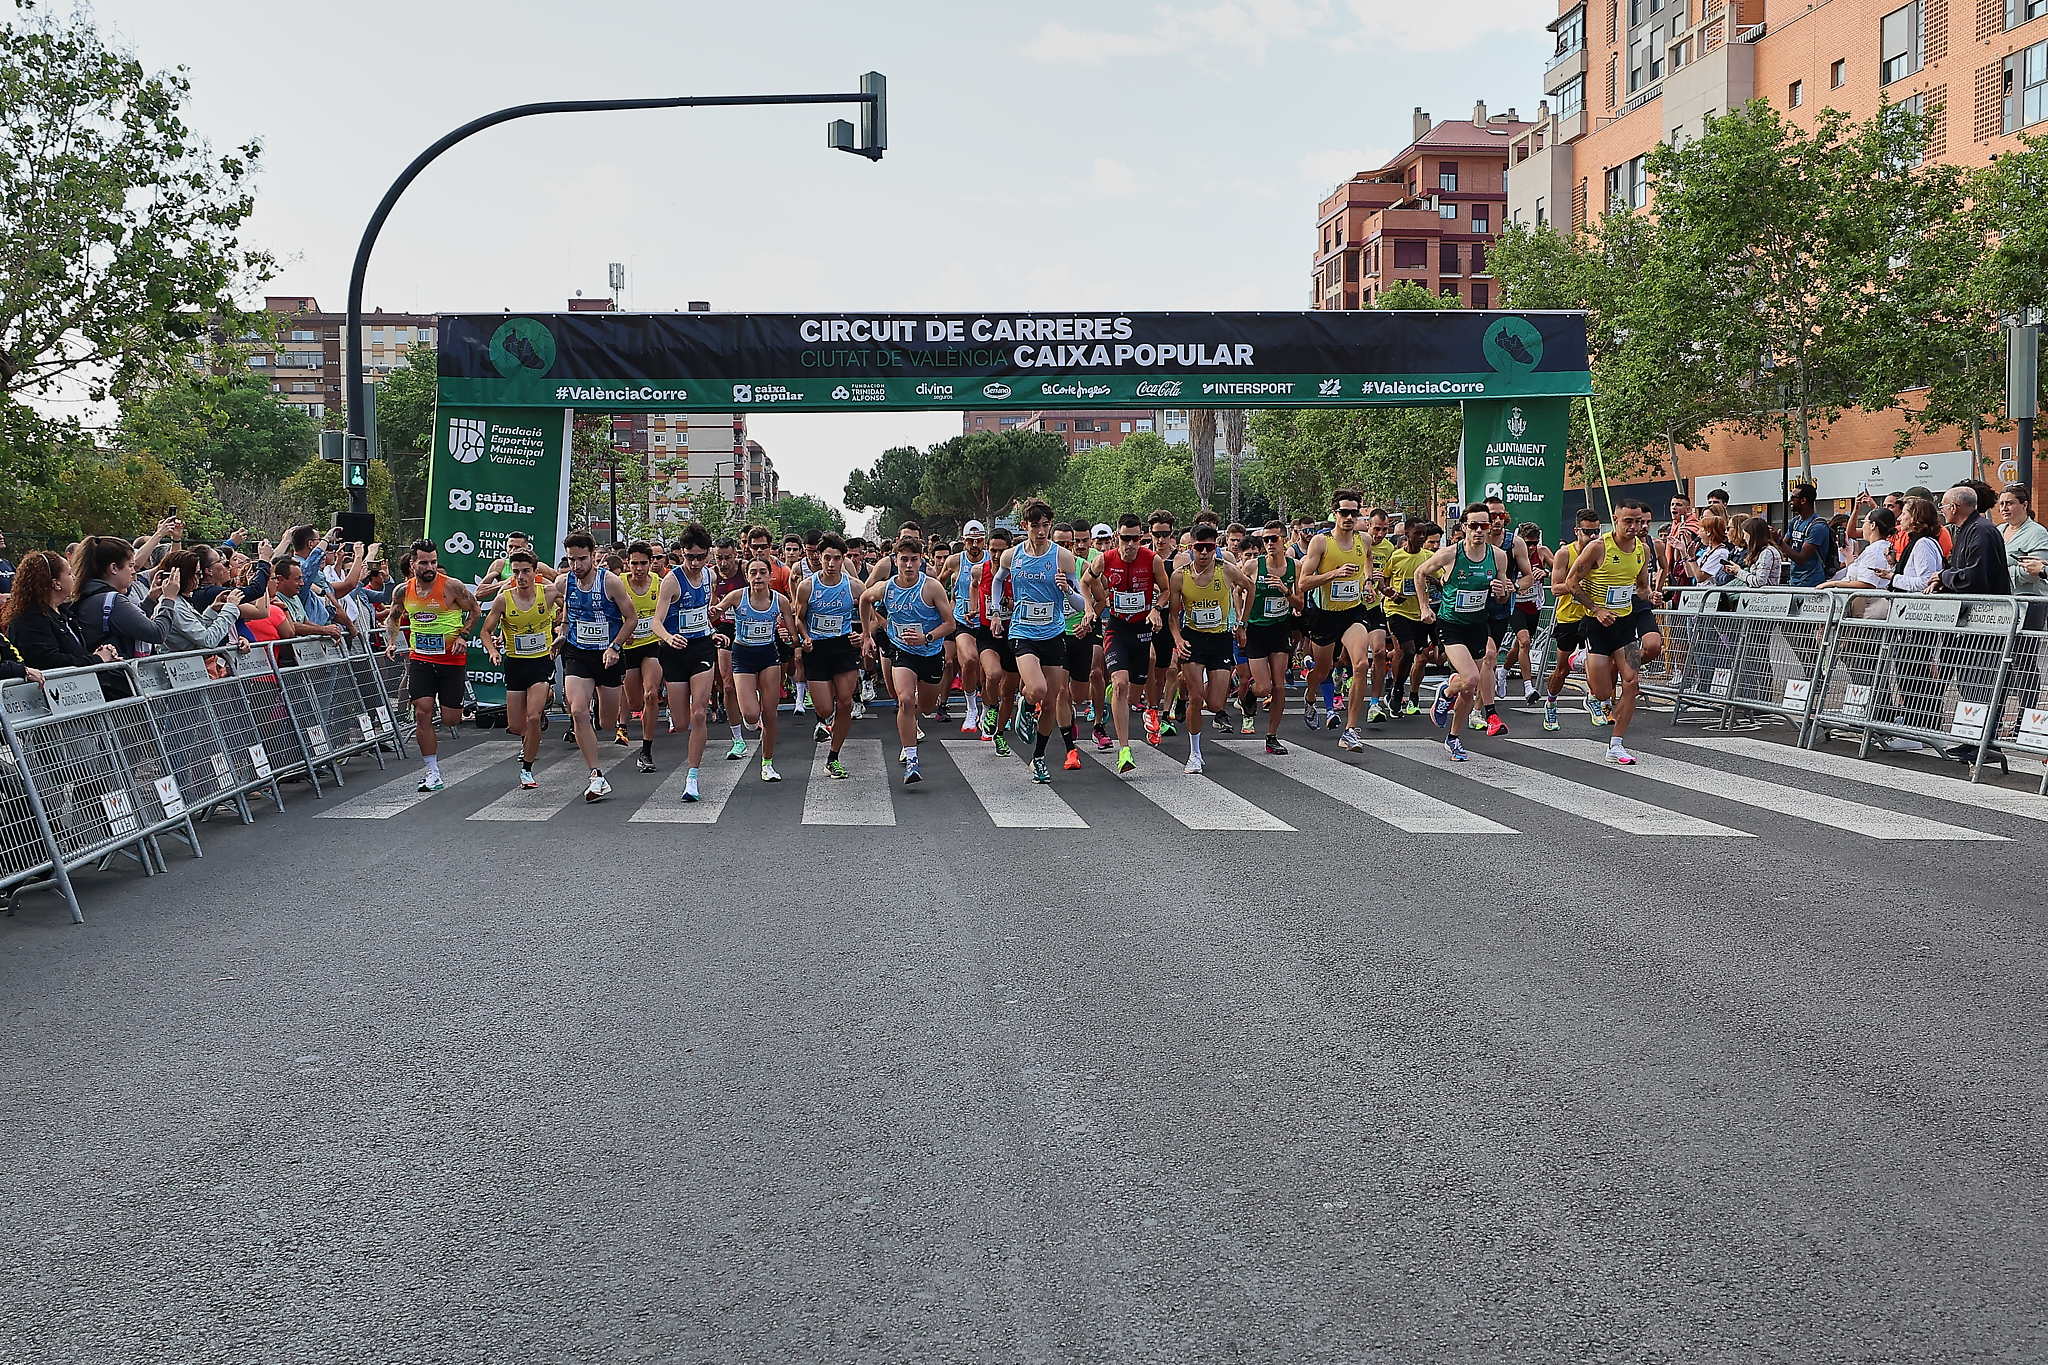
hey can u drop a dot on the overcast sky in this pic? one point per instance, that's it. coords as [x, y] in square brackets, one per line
[1100, 156]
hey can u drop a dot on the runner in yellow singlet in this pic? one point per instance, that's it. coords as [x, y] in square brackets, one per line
[1336, 575]
[1606, 577]
[1199, 611]
[641, 657]
[1568, 629]
[519, 635]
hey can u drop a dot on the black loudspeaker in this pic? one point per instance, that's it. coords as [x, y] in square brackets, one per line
[357, 526]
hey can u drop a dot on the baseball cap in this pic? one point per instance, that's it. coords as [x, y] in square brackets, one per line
[974, 528]
[1101, 530]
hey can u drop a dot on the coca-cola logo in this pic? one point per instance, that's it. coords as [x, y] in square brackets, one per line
[1159, 388]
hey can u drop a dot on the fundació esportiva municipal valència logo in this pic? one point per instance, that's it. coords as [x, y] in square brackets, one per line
[465, 439]
[522, 347]
[1512, 345]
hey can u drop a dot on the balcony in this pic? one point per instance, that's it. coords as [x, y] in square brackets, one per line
[1562, 69]
[1409, 222]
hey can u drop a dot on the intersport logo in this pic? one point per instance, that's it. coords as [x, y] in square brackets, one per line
[1159, 388]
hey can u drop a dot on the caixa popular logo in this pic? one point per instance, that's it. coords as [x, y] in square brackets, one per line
[743, 393]
[995, 391]
[934, 390]
[1159, 388]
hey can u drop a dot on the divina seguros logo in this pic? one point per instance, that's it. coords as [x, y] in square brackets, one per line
[522, 346]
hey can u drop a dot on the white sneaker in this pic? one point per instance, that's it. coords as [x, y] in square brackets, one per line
[599, 788]
[1500, 680]
[803, 702]
[1194, 766]
[860, 710]
[1899, 744]
[768, 773]
[867, 689]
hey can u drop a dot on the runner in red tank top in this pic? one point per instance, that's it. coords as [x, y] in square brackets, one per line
[1128, 584]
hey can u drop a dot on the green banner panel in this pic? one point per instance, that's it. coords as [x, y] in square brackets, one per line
[496, 470]
[1516, 451]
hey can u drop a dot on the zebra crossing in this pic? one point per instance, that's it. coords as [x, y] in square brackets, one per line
[1732, 788]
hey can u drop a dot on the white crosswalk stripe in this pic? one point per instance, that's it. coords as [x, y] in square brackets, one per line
[563, 779]
[1381, 798]
[1198, 802]
[1591, 803]
[399, 795]
[716, 782]
[1892, 777]
[1006, 791]
[1768, 798]
[862, 797]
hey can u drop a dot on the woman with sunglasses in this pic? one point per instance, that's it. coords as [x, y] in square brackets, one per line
[1272, 604]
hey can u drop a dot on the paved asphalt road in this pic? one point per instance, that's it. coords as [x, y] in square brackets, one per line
[400, 1084]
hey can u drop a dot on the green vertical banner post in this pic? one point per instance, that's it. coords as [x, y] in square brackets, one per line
[495, 471]
[1515, 449]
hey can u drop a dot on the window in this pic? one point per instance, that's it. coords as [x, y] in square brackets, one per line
[1542, 214]
[1898, 40]
[1126, 426]
[1448, 258]
[1411, 255]
[1627, 185]
[1482, 218]
[1448, 290]
[377, 335]
[1447, 176]
[1059, 426]
[1838, 74]
[1479, 258]
[1480, 297]
[2026, 87]
[1795, 94]
[2017, 12]
[257, 362]
[1913, 107]
[1571, 32]
[1571, 96]
[1657, 53]
[1447, 212]
[1637, 57]
[304, 336]
[1144, 424]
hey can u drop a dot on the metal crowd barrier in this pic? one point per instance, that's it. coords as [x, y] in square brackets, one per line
[101, 762]
[1735, 650]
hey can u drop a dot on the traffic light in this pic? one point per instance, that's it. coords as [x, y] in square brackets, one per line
[356, 468]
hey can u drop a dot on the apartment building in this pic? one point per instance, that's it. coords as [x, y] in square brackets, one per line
[1427, 216]
[1627, 75]
[305, 368]
[1080, 430]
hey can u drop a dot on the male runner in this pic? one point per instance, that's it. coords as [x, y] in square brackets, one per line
[522, 616]
[1042, 578]
[917, 611]
[999, 680]
[1130, 581]
[1379, 549]
[1199, 611]
[828, 606]
[1404, 612]
[689, 648]
[598, 619]
[1271, 607]
[1606, 577]
[640, 661]
[1336, 582]
[1568, 630]
[1158, 690]
[498, 577]
[963, 649]
[1475, 573]
[729, 577]
[439, 613]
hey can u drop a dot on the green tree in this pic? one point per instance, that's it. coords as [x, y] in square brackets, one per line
[113, 495]
[313, 493]
[1134, 476]
[801, 513]
[406, 400]
[978, 475]
[891, 486]
[206, 427]
[593, 461]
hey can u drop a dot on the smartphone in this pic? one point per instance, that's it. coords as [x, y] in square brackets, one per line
[170, 511]
[1863, 489]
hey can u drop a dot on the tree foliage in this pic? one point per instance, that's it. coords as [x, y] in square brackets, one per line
[406, 401]
[207, 427]
[890, 486]
[977, 476]
[800, 514]
[313, 493]
[1142, 474]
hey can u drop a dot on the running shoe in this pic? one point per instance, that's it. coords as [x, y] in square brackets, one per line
[967, 725]
[768, 773]
[943, 712]
[569, 735]
[1440, 710]
[619, 735]
[920, 734]
[1604, 715]
[1549, 715]
[1274, 746]
[860, 710]
[867, 689]
[1151, 726]
[645, 763]
[1003, 749]
[1102, 739]
[1194, 767]
[989, 722]
[1085, 712]
[738, 749]
[1039, 772]
[599, 788]
[690, 792]
[1124, 762]
[1026, 723]
[1528, 692]
[432, 783]
[1350, 740]
[834, 768]
[1166, 726]
[1311, 714]
[1073, 761]
[527, 781]
[820, 733]
[803, 701]
[1409, 708]
[1251, 723]
[1496, 726]
[911, 776]
[1376, 711]
[1456, 750]
[903, 754]
[1500, 680]
[1619, 754]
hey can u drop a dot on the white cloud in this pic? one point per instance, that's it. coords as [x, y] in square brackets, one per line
[1113, 177]
[1327, 168]
[1069, 47]
[1246, 26]
[1444, 26]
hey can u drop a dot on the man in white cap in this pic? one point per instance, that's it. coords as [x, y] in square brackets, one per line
[963, 652]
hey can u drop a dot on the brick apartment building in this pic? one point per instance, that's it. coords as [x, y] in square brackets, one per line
[1627, 75]
[1080, 430]
[1427, 216]
[306, 367]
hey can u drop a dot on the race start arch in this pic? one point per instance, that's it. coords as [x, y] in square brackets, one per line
[510, 385]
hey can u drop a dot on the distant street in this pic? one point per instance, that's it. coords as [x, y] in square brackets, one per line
[1262, 1066]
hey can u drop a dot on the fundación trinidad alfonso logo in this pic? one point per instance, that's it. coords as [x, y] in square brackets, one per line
[1512, 345]
[522, 346]
[1517, 424]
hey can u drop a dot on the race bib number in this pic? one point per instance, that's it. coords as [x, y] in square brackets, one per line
[1130, 603]
[529, 644]
[1620, 596]
[695, 618]
[1037, 613]
[757, 632]
[1277, 606]
[1208, 617]
[593, 635]
[1470, 600]
[834, 624]
[1345, 590]
[430, 644]
[643, 629]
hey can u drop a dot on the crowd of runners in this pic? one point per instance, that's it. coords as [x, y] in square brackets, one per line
[1052, 634]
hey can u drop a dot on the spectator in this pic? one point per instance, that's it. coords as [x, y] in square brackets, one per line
[35, 623]
[1762, 560]
[1807, 538]
[288, 582]
[2026, 562]
[1919, 689]
[1711, 562]
[1976, 561]
[1941, 532]
[216, 576]
[1872, 566]
[1681, 546]
[6, 569]
[185, 624]
[1717, 503]
[106, 610]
